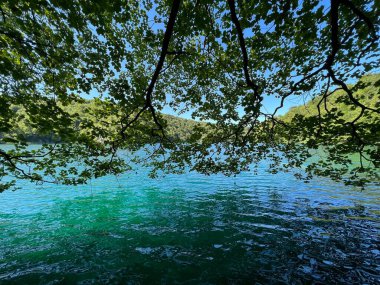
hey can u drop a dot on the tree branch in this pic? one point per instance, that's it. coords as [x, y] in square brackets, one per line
[360, 15]
[159, 66]
[164, 50]
[248, 80]
[335, 44]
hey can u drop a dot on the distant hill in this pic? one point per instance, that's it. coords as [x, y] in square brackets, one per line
[367, 91]
[94, 110]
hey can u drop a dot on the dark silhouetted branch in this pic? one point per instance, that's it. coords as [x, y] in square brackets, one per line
[248, 80]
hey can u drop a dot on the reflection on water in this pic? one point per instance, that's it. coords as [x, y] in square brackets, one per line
[191, 229]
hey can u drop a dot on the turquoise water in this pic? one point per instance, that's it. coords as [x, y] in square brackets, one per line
[191, 229]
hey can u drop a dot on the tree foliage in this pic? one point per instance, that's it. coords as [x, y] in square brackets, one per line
[218, 60]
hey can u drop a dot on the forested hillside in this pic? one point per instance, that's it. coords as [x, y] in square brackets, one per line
[97, 111]
[366, 91]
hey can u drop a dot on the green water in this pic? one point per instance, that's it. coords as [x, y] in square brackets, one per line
[190, 229]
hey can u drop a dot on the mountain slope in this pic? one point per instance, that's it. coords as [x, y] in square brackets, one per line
[366, 91]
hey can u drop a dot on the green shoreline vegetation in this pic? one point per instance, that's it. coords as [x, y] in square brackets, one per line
[85, 111]
[368, 92]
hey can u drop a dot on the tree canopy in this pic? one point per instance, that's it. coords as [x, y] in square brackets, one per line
[220, 61]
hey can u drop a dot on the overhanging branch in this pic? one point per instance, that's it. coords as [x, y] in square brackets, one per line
[243, 48]
[160, 64]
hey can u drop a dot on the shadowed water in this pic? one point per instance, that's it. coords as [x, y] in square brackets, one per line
[264, 228]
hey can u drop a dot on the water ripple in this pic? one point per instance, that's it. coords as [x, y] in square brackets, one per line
[191, 229]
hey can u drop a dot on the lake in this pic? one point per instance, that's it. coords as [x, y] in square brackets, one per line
[191, 229]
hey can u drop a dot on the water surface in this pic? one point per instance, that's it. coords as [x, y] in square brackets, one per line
[191, 229]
